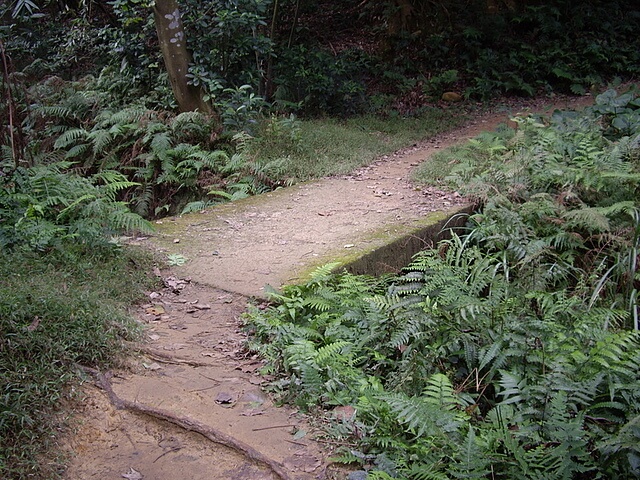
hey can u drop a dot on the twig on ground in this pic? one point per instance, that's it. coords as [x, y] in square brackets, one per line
[272, 426]
[174, 449]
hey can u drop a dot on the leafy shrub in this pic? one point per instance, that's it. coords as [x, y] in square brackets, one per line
[511, 351]
[42, 207]
[322, 82]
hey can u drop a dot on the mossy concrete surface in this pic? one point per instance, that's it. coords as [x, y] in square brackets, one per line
[371, 221]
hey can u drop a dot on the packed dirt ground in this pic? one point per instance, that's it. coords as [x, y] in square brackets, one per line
[192, 403]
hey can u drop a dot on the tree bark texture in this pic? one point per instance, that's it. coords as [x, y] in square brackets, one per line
[173, 43]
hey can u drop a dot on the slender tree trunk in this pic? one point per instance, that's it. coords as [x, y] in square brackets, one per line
[173, 43]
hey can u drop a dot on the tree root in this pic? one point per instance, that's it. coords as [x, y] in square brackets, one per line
[168, 358]
[189, 424]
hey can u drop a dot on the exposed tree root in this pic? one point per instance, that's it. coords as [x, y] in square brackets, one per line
[168, 358]
[215, 436]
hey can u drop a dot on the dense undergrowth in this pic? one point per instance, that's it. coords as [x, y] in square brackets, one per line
[329, 57]
[509, 351]
[158, 162]
[85, 83]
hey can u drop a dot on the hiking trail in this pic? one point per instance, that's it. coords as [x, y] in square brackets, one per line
[191, 405]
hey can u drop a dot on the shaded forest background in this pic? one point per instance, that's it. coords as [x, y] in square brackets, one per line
[332, 57]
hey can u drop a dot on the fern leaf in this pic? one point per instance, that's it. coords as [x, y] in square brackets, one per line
[439, 392]
[329, 353]
[70, 137]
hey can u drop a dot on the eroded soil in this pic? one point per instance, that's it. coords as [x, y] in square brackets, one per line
[194, 363]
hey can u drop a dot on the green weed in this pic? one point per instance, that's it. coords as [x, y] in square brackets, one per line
[318, 148]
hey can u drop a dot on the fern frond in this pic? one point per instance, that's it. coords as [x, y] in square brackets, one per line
[70, 137]
[328, 354]
[439, 392]
[589, 219]
[324, 272]
[161, 142]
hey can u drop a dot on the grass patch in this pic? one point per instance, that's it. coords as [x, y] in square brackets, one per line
[303, 150]
[444, 163]
[57, 310]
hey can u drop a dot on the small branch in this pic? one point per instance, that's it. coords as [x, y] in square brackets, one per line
[273, 426]
[296, 443]
[189, 424]
[203, 389]
[174, 449]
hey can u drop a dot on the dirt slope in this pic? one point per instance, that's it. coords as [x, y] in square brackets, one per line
[195, 365]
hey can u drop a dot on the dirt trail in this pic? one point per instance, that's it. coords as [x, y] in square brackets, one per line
[195, 364]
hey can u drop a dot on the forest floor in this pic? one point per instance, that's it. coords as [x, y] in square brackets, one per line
[192, 404]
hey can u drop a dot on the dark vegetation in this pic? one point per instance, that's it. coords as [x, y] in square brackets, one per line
[92, 142]
[510, 351]
[88, 83]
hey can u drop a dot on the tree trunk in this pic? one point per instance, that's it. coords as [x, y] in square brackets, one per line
[173, 43]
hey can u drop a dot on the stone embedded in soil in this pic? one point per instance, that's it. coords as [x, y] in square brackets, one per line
[224, 398]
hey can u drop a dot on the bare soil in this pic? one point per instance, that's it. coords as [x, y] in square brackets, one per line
[194, 366]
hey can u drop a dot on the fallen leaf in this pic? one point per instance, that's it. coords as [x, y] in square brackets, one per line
[152, 366]
[344, 413]
[133, 475]
[299, 434]
[34, 324]
[202, 306]
[224, 398]
[306, 463]
[155, 310]
[250, 367]
[252, 412]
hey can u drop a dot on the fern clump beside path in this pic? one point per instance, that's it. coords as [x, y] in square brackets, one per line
[512, 350]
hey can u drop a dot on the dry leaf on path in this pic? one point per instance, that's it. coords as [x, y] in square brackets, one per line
[133, 474]
[252, 412]
[155, 310]
[152, 366]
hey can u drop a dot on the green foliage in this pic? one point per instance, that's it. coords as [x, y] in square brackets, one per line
[58, 310]
[167, 159]
[322, 82]
[232, 44]
[523, 48]
[43, 206]
[511, 351]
